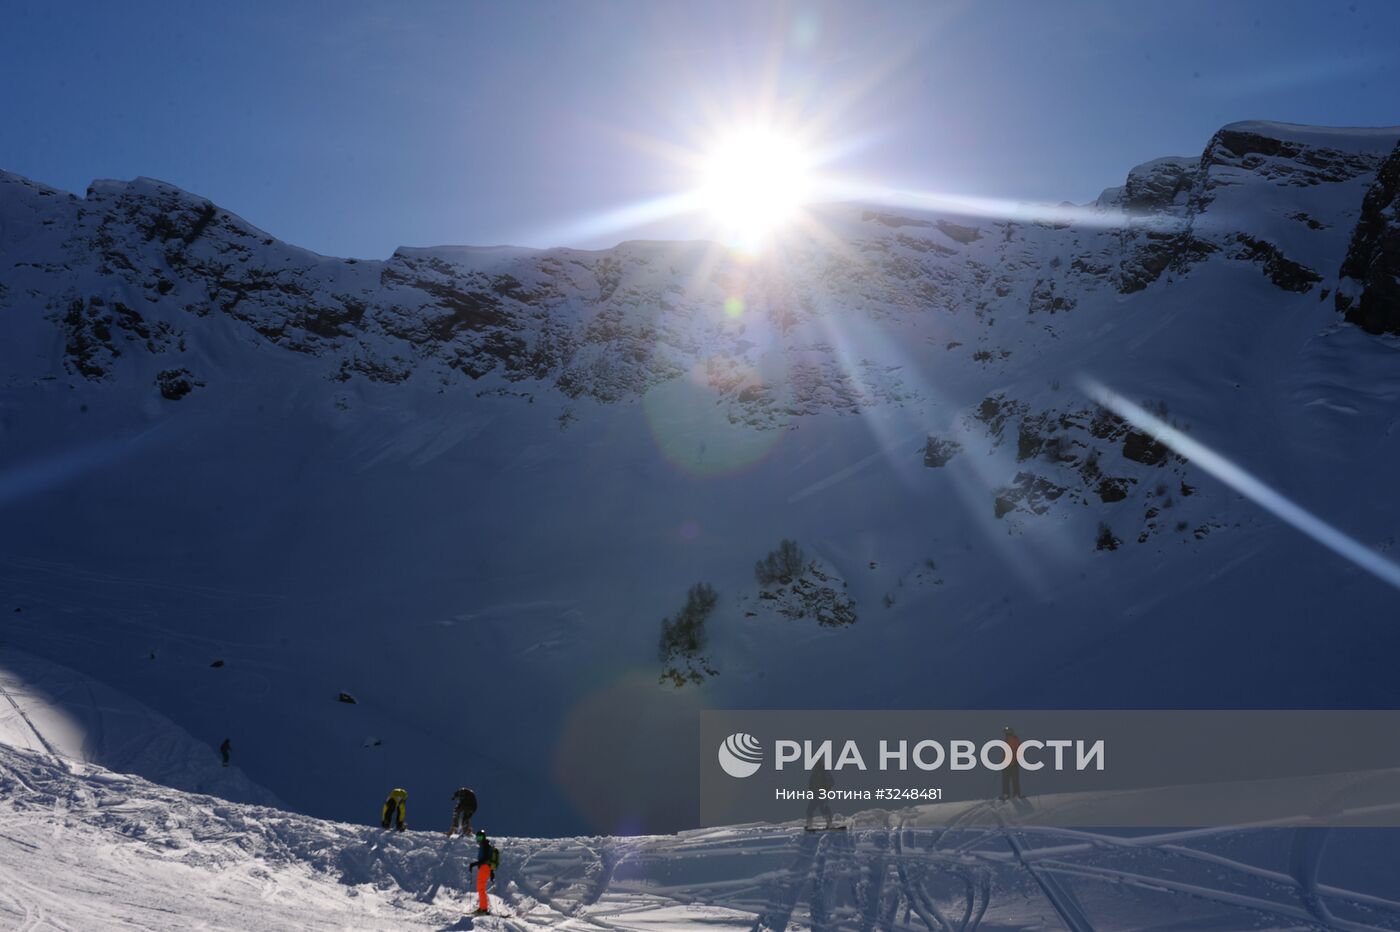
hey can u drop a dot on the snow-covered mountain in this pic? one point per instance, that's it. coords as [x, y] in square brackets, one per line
[466, 485]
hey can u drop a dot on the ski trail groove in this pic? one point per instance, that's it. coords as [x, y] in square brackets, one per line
[972, 915]
[1060, 899]
[608, 860]
[1157, 844]
[820, 902]
[29, 722]
[777, 919]
[918, 900]
[1304, 859]
[1237, 900]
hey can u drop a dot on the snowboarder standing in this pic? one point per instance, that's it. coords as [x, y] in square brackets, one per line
[1011, 776]
[224, 750]
[488, 858]
[463, 811]
[396, 804]
[819, 782]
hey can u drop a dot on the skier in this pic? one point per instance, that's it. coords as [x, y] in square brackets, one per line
[488, 858]
[463, 811]
[224, 750]
[1011, 776]
[396, 804]
[819, 780]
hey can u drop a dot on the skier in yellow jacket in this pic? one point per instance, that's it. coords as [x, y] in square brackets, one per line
[396, 803]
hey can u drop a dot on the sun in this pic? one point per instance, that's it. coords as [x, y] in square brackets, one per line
[753, 183]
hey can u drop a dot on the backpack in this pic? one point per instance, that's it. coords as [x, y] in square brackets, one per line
[494, 859]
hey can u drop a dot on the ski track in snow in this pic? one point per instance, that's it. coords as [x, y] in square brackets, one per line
[1063, 900]
[28, 723]
[103, 850]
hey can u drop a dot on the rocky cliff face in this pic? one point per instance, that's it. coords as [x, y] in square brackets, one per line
[129, 275]
[1273, 156]
[1370, 294]
[609, 325]
[363, 475]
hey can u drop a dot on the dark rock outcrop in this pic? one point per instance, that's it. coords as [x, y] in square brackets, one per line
[1154, 252]
[1284, 161]
[938, 451]
[1371, 269]
[1157, 185]
[175, 384]
[1282, 271]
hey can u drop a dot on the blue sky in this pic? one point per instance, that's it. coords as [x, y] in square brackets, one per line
[351, 128]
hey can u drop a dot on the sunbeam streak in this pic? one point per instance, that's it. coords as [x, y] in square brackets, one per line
[856, 191]
[1246, 484]
[22, 480]
[621, 219]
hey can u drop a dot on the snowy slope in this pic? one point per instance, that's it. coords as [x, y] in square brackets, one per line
[432, 480]
[103, 850]
[50, 709]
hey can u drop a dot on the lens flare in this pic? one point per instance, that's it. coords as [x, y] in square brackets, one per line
[753, 183]
[692, 423]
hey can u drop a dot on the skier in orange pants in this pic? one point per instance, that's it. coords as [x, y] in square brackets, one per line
[487, 858]
[483, 877]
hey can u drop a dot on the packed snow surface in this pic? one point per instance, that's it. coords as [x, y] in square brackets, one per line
[83, 848]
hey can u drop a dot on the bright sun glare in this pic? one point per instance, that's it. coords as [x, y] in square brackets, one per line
[754, 183]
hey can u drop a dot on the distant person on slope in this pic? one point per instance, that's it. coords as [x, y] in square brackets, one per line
[1011, 776]
[462, 811]
[396, 804]
[488, 858]
[224, 750]
[819, 780]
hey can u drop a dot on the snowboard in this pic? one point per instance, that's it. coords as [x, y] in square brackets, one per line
[834, 828]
